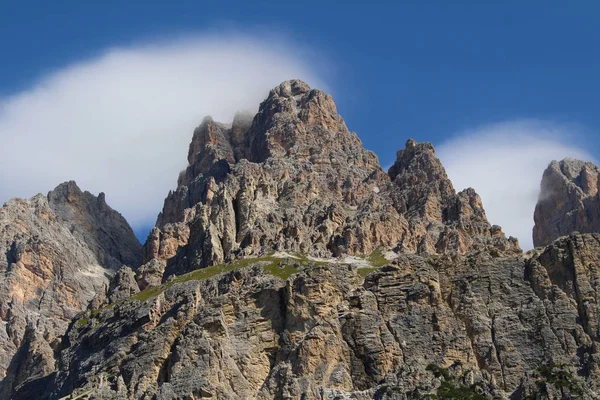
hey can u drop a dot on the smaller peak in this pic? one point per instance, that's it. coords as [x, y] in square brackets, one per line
[242, 119]
[413, 144]
[207, 120]
[208, 123]
[573, 163]
[469, 192]
[68, 185]
[418, 158]
[66, 189]
[290, 88]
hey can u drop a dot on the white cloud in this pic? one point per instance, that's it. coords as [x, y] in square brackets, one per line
[121, 122]
[504, 163]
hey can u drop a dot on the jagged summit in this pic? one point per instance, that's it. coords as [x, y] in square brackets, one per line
[568, 201]
[294, 178]
[294, 122]
[417, 168]
[297, 121]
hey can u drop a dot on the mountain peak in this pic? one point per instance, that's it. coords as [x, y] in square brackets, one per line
[296, 179]
[291, 88]
[296, 120]
[425, 196]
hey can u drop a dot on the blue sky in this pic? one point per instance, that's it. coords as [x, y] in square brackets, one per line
[428, 70]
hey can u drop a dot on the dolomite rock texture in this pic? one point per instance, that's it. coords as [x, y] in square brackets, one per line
[483, 326]
[58, 251]
[569, 201]
[294, 178]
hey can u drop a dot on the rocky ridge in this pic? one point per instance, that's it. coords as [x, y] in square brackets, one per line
[568, 202]
[58, 253]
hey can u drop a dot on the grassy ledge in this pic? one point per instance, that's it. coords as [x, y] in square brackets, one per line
[272, 267]
[377, 260]
[279, 266]
[82, 322]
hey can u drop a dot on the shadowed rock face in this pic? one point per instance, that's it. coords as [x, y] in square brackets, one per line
[294, 178]
[57, 252]
[568, 202]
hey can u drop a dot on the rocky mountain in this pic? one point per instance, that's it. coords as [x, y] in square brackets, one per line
[288, 265]
[294, 178]
[58, 252]
[569, 201]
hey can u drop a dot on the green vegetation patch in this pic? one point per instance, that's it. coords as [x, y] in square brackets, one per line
[559, 376]
[284, 271]
[366, 271]
[280, 267]
[82, 322]
[451, 388]
[149, 292]
[376, 258]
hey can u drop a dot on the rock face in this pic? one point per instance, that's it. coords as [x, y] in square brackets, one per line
[58, 251]
[295, 179]
[568, 202]
[472, 326]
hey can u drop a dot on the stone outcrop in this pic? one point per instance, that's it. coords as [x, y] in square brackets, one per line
[568, 202]
[58, 251]
[294, 178]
